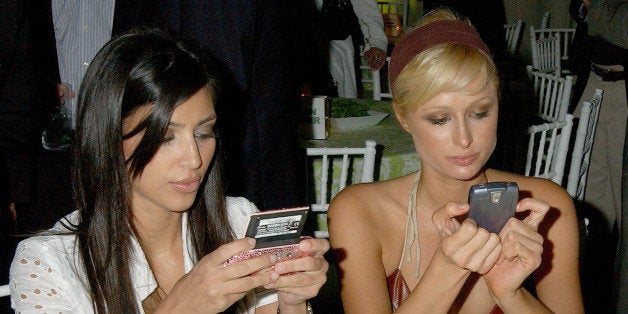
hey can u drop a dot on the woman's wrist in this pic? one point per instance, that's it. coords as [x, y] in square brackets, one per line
[445, 265]
[305, 307]
[507, 299]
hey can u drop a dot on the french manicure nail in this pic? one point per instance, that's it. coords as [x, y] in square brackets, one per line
[280, 268]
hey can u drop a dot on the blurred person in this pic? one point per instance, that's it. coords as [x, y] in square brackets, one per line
[345, 55]
[311, 49]
[65, 37]
[579, 51]
[621, 260]
[406, 244]
[26, 100]
[81, 29]
[152, 226]
[608, 42]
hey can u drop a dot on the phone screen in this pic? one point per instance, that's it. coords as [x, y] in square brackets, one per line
[276, 232]
[277, 227]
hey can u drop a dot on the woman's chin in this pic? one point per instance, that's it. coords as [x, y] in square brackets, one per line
[469, 173]
[181, 206]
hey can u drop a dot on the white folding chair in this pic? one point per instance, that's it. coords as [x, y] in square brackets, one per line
[547, 149]
[565, 37]
[374, 78]
[368, 77]
[553, 94]
[4, 291]
[332, 182]
[545, 52]
[513, 34]
[399, 7]
[579, 167]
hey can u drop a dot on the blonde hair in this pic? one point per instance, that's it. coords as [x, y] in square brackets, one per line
[447, 67]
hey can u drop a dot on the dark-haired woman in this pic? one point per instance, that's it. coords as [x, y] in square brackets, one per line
[153, 227]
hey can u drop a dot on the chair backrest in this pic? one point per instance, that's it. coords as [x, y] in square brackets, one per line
[565, 36]
[399, 7]
[544, 20]
[547, 149]
[585, 133]
[545, 52]
[334, 176]
[553, 94]
[377, 82]
[4, 291]
[513, 36]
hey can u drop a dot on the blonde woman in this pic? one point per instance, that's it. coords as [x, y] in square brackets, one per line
[406, 244]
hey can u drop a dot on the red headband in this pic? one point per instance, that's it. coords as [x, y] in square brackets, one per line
[428, 36]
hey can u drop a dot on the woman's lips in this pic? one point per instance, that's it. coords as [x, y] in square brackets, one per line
[186, 187]
[464, 160]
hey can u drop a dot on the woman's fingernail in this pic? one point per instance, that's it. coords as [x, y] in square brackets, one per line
[251, 241]
[280, 268]
[304, 245]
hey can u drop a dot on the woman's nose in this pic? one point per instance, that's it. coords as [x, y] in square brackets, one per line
[191, 156]
[462, 135]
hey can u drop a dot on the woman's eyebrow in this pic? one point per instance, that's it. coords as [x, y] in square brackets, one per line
[211, 117]
[201, 122]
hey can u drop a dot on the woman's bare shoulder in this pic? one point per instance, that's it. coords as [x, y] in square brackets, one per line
[538, 188]
[370, 203]
[373, 194]
[367, 217]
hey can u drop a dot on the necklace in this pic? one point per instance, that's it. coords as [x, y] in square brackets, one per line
[411, 237]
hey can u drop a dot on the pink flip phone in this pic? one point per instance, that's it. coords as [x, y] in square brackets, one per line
[276, 232]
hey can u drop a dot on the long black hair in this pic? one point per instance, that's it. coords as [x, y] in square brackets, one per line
[144, 66]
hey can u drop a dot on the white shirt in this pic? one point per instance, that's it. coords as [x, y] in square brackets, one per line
[81, 29]
[47, 274]
[371, 23]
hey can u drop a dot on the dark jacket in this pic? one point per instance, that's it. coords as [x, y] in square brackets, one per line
[27, 93]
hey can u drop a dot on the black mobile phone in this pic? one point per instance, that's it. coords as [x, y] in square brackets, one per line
[276, 232]
[492, 204]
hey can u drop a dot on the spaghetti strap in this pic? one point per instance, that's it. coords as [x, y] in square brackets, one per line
[411, 236]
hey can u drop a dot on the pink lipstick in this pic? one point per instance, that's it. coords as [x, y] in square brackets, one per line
[186, 186]
[464, 160]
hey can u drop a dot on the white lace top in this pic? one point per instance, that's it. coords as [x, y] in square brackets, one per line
[47, 276]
